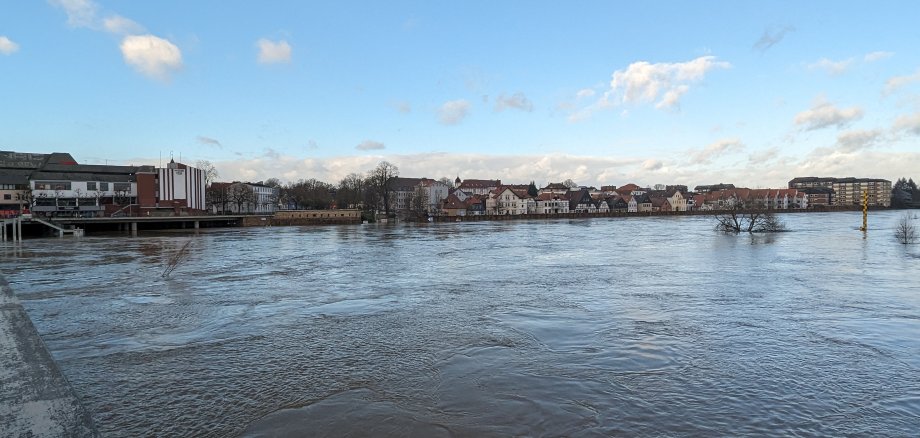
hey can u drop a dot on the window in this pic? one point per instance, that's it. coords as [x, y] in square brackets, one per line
[104, 186]
[52, 185]
[121, 187]
[7, 197]
[91, 185]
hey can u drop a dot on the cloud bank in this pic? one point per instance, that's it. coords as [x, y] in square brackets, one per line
[771, 169]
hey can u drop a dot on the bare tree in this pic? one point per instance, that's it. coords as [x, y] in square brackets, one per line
[380, 180]
[25, 198]
[418, 204]
[905, 231]
[210, 172]
[350, 192]
[569, 183]
[242, 196]
[747, 217]
[310, 193]
[217, 197]
[122, 196]
[98, 194]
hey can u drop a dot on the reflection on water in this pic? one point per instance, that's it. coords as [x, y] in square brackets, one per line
[645, 326]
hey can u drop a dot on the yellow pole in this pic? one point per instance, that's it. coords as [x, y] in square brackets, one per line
[865, 225]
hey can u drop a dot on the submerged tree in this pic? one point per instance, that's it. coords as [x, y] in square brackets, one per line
[905, 231]
[742, 217]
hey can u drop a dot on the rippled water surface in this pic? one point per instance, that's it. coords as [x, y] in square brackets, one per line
[639, 326]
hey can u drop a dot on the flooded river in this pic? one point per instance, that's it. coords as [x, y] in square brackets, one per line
[637, 326]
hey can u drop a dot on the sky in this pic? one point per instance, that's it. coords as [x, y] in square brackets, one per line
[603, 93]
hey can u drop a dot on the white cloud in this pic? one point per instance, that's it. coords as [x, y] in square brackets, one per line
[652, 165]
[909, 124]
[453, 112]
[853, 141]
[763, 156]
[209, 141]
[150, 55]
[832, 67]
[7, 46]
[80, 13]
[271, 52]
[662, 84]
[715, 150]
[516, 101]
[771, 37]
[824, 114]
[836, 68]
[122, 26]
[877, 56]
[370, 145]
[585, 92]
[895, 83]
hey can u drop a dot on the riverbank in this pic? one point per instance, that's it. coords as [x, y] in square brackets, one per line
[35, 398]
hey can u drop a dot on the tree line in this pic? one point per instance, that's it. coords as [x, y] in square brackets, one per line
[904, 194]
[362, 191]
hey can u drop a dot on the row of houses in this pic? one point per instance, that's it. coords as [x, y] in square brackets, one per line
[56, 185]
[492, 197]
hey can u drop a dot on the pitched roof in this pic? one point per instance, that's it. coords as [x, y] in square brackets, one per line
[479, 183]
[660, 202]
[453, 202]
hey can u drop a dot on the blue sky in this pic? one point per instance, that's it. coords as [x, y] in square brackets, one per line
[752, 93]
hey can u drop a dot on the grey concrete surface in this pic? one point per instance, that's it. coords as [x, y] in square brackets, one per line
[35, 398]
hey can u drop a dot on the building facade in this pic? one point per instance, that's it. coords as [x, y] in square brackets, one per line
[849, 191]
[56, 185]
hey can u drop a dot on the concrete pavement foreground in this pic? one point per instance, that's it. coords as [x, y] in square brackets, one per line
[35, 398]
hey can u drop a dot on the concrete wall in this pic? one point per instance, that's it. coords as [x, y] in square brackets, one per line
[311, 217]
[35, 398]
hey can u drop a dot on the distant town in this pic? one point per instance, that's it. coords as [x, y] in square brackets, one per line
[56, 185]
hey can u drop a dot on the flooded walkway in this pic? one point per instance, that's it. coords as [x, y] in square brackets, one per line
[35, 398]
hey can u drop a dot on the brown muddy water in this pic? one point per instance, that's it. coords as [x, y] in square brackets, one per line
[635, 326]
